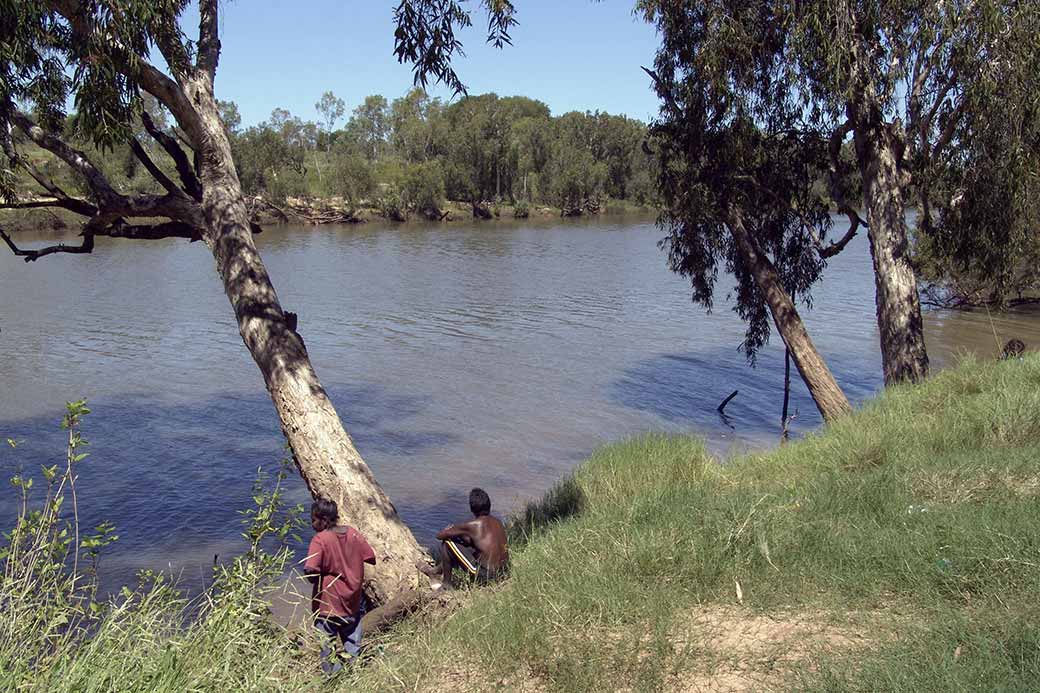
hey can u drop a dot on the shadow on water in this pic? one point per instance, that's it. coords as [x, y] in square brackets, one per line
[174, 476]
[687, 388]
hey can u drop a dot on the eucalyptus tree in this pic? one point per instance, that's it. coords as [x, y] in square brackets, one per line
[979, 218]
[331, 108]
[736, 176]
[902, 79]
[97, 53]
[369, 126]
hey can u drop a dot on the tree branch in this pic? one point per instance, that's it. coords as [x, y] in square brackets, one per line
[86, 246]
[150, 78]
[117, 229]
[110, 203]
[839, 245]
[81, 207]
[184, 168]
[833, 173]
[661, 91]
[156, 172]
[948, 131]
[76, 159]
[209, 40]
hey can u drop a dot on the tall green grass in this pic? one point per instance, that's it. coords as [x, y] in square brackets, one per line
[921, 512]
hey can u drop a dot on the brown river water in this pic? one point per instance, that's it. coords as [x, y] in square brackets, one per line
[497, 355]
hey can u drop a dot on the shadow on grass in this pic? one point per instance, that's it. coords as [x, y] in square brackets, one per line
[564, 500]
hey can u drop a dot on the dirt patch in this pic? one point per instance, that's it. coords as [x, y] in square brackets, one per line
[728, 649]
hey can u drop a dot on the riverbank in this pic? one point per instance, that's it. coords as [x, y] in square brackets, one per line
[899, 549]
[319, 211]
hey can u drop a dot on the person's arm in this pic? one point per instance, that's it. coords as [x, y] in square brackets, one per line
[460, 531]
[312, 564]
[367, 554]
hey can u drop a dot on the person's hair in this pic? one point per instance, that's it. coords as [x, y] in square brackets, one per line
[479, 502]
[325, 510]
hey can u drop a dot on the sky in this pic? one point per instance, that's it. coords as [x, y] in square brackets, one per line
[571, 54]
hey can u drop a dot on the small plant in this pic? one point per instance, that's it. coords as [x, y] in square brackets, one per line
[521, 210]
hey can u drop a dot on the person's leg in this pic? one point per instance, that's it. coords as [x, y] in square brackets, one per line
[350, 635]
[447, 563]
[329, 633]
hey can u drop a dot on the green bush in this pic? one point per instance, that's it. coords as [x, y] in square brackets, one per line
[423, 189]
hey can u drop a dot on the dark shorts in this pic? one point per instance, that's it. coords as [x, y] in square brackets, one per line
[477, 571]
[344, 629]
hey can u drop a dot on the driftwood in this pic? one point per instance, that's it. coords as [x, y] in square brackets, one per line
[302, 212]
[722, 407]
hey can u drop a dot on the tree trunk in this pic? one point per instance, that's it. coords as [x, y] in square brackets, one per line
[903, 354]
[322, 449]
[829, 398]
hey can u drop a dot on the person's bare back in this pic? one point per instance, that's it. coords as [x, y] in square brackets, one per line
[484, 534]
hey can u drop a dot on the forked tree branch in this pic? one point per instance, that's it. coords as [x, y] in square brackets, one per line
[117, 229]
[185, 170]
[86, 246]
[156, 172]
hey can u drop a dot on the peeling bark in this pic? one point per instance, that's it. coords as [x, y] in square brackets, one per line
[903, 353]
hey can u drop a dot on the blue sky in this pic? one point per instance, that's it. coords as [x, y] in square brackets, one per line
[571, 54]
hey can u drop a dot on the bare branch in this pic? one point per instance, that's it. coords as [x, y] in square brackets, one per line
[76, 159]
[833, 174]
[839, 245]
[34, 204]
[209, 39]
[664, 93]
[946, 136]
[156, 172]
[116, 229]
[152, 232]
[184, 168]
[73, 204]
[86, 246]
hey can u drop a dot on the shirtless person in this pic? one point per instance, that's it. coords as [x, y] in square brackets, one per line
[484, 534]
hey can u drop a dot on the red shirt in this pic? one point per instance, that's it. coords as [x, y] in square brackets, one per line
[339, 558]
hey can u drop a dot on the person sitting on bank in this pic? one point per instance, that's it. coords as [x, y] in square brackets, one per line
[483, 534]
[335, 564]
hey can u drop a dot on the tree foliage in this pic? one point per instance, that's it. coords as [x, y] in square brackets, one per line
[486, 148]
[761, 98]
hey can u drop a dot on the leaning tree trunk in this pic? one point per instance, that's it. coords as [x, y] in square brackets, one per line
[829, 398]
[322, 449]
[903, 354]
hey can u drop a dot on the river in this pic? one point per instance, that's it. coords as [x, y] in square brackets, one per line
[496, 354]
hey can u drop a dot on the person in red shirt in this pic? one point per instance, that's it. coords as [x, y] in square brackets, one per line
[335, 564]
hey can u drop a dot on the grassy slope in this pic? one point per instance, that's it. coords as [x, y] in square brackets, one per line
[913, 525]
[897, 550]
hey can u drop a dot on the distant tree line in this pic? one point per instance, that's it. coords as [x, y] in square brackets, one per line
[410, 155]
